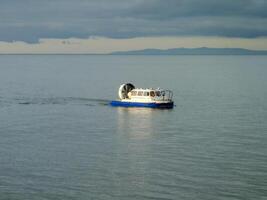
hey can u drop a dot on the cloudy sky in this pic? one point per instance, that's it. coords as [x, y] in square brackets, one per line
[101, 26]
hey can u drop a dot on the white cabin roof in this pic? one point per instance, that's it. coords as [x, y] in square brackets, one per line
[146, 89]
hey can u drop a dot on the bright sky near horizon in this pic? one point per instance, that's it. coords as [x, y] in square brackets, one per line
[103, 26]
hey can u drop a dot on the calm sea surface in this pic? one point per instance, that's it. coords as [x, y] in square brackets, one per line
[59, 138]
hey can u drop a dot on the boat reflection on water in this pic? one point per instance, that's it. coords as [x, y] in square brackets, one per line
[136, 122]
[135, 129]
[135, 147]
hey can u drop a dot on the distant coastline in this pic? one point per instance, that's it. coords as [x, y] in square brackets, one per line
[174, 51]
[193, 51]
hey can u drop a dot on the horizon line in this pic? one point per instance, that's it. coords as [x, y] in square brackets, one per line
[135, 52]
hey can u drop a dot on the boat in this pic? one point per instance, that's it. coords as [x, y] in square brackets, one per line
[129, 96]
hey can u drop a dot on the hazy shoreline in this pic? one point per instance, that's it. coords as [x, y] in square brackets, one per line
[165, 52]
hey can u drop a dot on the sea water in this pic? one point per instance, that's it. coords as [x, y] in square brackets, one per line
[59, 138]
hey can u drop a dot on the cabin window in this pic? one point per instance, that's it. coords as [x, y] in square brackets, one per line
[157, 93]
[133, 93]
[152, 93]
[146, 93]
[140, 93]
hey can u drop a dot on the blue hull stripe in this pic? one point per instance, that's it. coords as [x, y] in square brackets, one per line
[136, 104]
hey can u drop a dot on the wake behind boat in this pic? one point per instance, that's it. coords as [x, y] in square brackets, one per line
[129, 96]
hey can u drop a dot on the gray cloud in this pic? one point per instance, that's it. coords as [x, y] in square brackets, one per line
[30, 20]
[168, 9]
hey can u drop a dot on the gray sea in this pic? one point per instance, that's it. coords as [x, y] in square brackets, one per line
[59, 138]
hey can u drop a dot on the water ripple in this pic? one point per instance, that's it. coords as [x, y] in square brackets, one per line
[53, 101]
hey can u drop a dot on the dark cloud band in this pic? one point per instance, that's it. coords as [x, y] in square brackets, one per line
[30, 20]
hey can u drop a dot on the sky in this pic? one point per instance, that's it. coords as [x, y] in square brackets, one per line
[103, 26]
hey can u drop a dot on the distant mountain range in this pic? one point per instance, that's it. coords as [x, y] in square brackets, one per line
[193, 51]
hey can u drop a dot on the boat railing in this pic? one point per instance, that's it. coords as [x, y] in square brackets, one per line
[167, 95]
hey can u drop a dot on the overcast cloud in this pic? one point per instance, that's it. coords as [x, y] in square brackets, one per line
[31, 20]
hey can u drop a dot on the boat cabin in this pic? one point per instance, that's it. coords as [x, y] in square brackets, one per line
[150, 94]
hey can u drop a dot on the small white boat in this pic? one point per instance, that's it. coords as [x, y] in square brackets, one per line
[129, 96]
